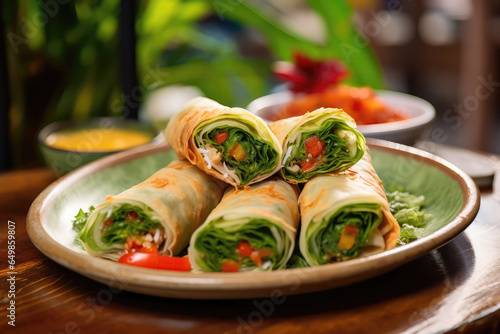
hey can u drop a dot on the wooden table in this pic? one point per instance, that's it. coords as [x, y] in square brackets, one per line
[455, 288]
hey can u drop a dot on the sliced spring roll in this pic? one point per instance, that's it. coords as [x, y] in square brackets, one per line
[346, 215]
[251, 229]
[318, 142]
[163, 211]
[230, 144]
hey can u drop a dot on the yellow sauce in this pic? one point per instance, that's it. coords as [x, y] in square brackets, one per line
[96, 139]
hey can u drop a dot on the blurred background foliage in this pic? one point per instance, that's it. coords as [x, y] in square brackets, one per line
[63, 56]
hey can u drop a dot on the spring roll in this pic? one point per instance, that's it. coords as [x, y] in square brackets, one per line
[251, 229]
[346, 215]
[230, 144]
[318, 142]
[163, 211]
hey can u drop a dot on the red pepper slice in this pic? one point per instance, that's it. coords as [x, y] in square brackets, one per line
[255, 257]
[108, 222]
[244, 248]
[221, 137]
[308, 164]
[314, 146]
[155, 261]
[265, 252]
[131, 216]
[230, 266]
[352, 229]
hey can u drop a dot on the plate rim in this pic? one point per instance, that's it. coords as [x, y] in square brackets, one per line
[228, 285]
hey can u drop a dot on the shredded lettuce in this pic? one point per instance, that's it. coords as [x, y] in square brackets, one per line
[337, 156]
[407, 209]
[219, 240]
[121, 229]
[297, 261]
[81, 219]
[409, 233]
[79, 223]
[261, 158]
[324, 237]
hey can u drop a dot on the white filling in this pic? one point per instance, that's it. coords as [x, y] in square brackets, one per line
[213, 159]
[266, 265]
[287, 155]
[350, 137]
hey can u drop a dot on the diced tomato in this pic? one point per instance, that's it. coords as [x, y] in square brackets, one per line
[149, 250]
[255, 257]
[238, 153]
[308, 164]
[155, 261]
[244, 248]
[347, 237]
[131, 216]
[221, 137]
[314, 146]
[230, 266]
[351, 229]
[108, 222]
[265, 252]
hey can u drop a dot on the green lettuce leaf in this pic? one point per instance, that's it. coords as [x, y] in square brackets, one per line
[297, 261]
[399, 200]
[118, 232]
[412, 216]
[407, 209]
[261, 158]
[337, 158]
[324, 237]
[79, 223]
[219, 240]
[409, 233]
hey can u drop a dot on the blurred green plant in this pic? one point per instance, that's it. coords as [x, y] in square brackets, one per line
[63, 57]
[342, 42]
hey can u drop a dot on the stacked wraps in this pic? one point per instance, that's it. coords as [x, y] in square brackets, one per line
[168, 206]
[230, 144]
[346, 215]
[343, 206]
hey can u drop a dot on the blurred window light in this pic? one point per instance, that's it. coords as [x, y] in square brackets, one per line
[455, 9]
[396, 29]
[436, 28]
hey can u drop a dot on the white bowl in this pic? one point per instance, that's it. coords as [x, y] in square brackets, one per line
[407, 131]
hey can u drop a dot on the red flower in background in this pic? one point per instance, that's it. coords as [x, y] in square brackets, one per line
[309, 76]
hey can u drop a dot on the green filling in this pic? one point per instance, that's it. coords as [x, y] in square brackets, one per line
[219, 240]
[79, 223]
[324, 237]
[261, 158]
[337, 158]
[121, 229]
[407, 209]
[297, 261]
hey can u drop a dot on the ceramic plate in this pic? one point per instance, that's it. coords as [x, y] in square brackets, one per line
[451, 197]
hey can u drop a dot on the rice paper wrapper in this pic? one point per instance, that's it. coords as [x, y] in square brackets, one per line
[180, 196]
[273, 199]
[205, 114]
[325, 194]
[289, 130]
